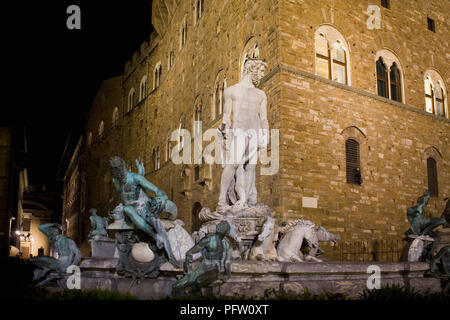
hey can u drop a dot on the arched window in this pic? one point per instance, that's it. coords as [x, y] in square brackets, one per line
[219, 87]
[339, 63]
[439, 100]
[435, 94]
[115, 116]
[331, 55]
[382, 79]
[432, 177]
[131, 99]
[158, 159]
[352, 160]
[322, 57]
[157, 74]
[395, 83]
[389, 76]
[198, 119]
[429, 95]
[143, 88]
[101, 129]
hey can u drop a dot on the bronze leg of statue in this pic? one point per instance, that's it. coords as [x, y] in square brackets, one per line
[141, 223]
[433, 245]
[432, 223]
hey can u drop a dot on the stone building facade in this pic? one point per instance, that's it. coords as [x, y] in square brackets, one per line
[6, 189]
[357, 89]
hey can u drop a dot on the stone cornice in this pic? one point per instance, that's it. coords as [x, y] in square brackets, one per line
[282, 68]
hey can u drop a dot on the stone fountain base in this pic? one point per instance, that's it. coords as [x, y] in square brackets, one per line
[253, 278]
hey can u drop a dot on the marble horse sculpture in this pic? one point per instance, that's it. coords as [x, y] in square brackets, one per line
[215, 250]
[142, 210]
[297, 233]
[51, 268]
[421, 226]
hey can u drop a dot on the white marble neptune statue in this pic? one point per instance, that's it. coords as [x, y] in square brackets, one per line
[244, 128]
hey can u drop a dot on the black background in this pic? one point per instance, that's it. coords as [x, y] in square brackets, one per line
[54, 73]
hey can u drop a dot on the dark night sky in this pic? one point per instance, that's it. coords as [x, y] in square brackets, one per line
[54, 73]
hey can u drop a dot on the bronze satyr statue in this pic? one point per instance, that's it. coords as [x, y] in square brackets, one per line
[424, 226]
[98, 225]
[215, 250]
[66, 248]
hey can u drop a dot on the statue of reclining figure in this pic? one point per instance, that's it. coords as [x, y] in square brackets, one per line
[66, 248]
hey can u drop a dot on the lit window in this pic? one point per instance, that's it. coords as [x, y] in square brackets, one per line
[156, 159]
[382, 79]
[395, 83]
[389, 76]
[143, 89]
[131, 99]
[101, 129]
[429, 96]
[115, 117]
[331, 55]
[157, 74]
[435, 94]
[198, 120]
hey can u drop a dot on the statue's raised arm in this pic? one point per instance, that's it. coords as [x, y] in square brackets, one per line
[147, 185]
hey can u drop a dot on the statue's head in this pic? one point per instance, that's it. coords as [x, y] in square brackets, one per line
[118, 167]
[324, 235]
[93, 211]
[255, 68]
[54, 231]
[223, 228]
